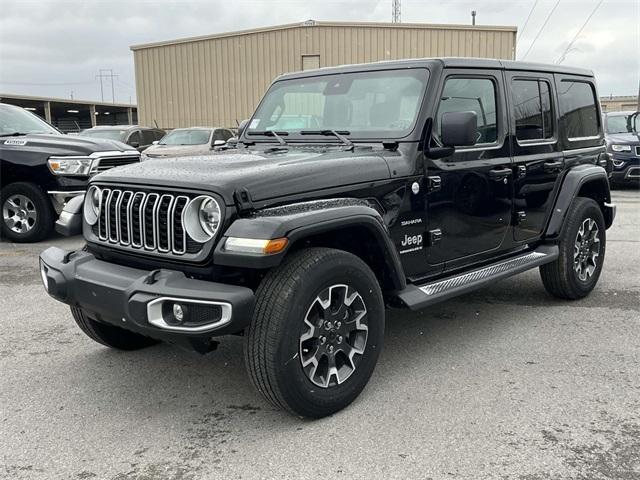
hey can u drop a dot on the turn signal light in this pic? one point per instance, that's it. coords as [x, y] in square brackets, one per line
[256, 245]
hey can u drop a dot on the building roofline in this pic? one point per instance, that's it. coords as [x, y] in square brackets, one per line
[315, 23]
[16, 96]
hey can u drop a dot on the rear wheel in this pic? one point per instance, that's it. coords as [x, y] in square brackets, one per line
[316, 332]
[27, 213]
[582, 247]
[109, 335]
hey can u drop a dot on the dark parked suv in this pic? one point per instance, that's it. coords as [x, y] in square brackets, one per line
[623, 146]
[423, 179]
[135, 136]
[41, 169]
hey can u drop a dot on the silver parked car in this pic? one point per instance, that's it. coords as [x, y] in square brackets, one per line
[187, 142]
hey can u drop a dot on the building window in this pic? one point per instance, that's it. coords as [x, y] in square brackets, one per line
[310, 62]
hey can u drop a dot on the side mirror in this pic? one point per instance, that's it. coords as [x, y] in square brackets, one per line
[459, 129]
[155, 142]
[134, 144]
[242, 126]
[218, 143]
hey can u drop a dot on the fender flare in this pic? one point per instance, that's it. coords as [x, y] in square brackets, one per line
[572, 183]
[302, 220]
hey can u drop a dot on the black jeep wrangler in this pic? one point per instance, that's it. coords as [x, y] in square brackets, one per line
[423, 179]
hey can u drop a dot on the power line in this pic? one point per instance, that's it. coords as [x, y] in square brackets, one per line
[526, 22]
[575, 37]
[546, 20]
[31, 84]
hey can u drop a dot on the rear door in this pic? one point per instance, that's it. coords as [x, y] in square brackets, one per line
[469, 203]
[537, 153]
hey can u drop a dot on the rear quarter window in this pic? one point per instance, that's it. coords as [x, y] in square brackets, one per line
[580, 112]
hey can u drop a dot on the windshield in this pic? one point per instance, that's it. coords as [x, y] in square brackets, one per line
[186, 136]
[15, 120]
[107, 134]
[382, 104]
[618, 124]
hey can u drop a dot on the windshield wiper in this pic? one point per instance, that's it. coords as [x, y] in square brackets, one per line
[272, 133]
[339, 134]
[14, 134]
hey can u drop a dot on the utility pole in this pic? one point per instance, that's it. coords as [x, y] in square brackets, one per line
[473, 17]
[395, 11]
[110, 75]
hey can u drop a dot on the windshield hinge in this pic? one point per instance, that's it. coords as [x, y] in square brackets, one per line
[243, 200]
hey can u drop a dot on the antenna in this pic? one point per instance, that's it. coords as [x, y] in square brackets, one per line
[395, 11]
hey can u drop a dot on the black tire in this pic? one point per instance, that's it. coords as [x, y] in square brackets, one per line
[44, 212]
[560, 278]
[272, 342]
[109, 335]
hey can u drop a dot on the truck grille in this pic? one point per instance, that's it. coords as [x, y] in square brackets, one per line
[105, 163]
[145, 221]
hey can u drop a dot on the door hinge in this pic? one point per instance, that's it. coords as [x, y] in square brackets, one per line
[434, 184]
[435, 236]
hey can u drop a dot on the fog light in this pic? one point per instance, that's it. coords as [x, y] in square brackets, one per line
[179, 312]
[43, 274]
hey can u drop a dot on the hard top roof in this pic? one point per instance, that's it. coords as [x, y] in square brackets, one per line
[450, 62]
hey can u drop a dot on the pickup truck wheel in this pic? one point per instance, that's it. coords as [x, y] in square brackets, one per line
[582, 246]
[27, 213]
[316, 332]
[109, 335]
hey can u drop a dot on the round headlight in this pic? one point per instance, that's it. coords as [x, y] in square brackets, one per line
[92, 201]
[201, 218]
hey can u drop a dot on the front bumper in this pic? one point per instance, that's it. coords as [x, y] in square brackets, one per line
[59, 198]
[629, 175]
[133, 299]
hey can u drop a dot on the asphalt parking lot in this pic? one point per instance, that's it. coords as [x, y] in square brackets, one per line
[504, 383]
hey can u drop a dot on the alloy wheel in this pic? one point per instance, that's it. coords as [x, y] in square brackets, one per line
[19, 213]
[334, 336]
[586, 249]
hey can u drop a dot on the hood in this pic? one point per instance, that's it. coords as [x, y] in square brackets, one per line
[264, 174]
[159, 151]
[61, 144]
[623, 138]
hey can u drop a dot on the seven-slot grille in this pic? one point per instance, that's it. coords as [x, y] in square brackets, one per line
[106, 163]
[150, 221]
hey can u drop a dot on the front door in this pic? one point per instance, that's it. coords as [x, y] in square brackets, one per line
[469, 203]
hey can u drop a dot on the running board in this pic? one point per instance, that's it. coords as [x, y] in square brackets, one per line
[419, 296]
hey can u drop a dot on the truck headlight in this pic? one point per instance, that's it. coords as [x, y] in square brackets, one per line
[92, 203]
[70, 165]
[201, 218]
[621, 148]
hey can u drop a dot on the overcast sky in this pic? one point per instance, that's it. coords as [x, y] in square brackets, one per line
[53, 48]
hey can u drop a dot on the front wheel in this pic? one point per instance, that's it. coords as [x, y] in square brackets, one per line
[27, 213]
[582, 246]
[316, 332]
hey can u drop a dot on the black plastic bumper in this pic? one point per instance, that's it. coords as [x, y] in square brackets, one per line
[121, 295]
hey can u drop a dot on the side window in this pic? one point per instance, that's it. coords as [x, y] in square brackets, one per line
[532, 109]
[471, 94]
[218, 134]
[148, 136]
[135, 137]
[578, 103]
[226, 134]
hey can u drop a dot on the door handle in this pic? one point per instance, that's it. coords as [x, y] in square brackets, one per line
[500, 173]
[551, 166]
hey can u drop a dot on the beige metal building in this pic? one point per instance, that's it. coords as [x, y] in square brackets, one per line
[619, 103]
[217, 80]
